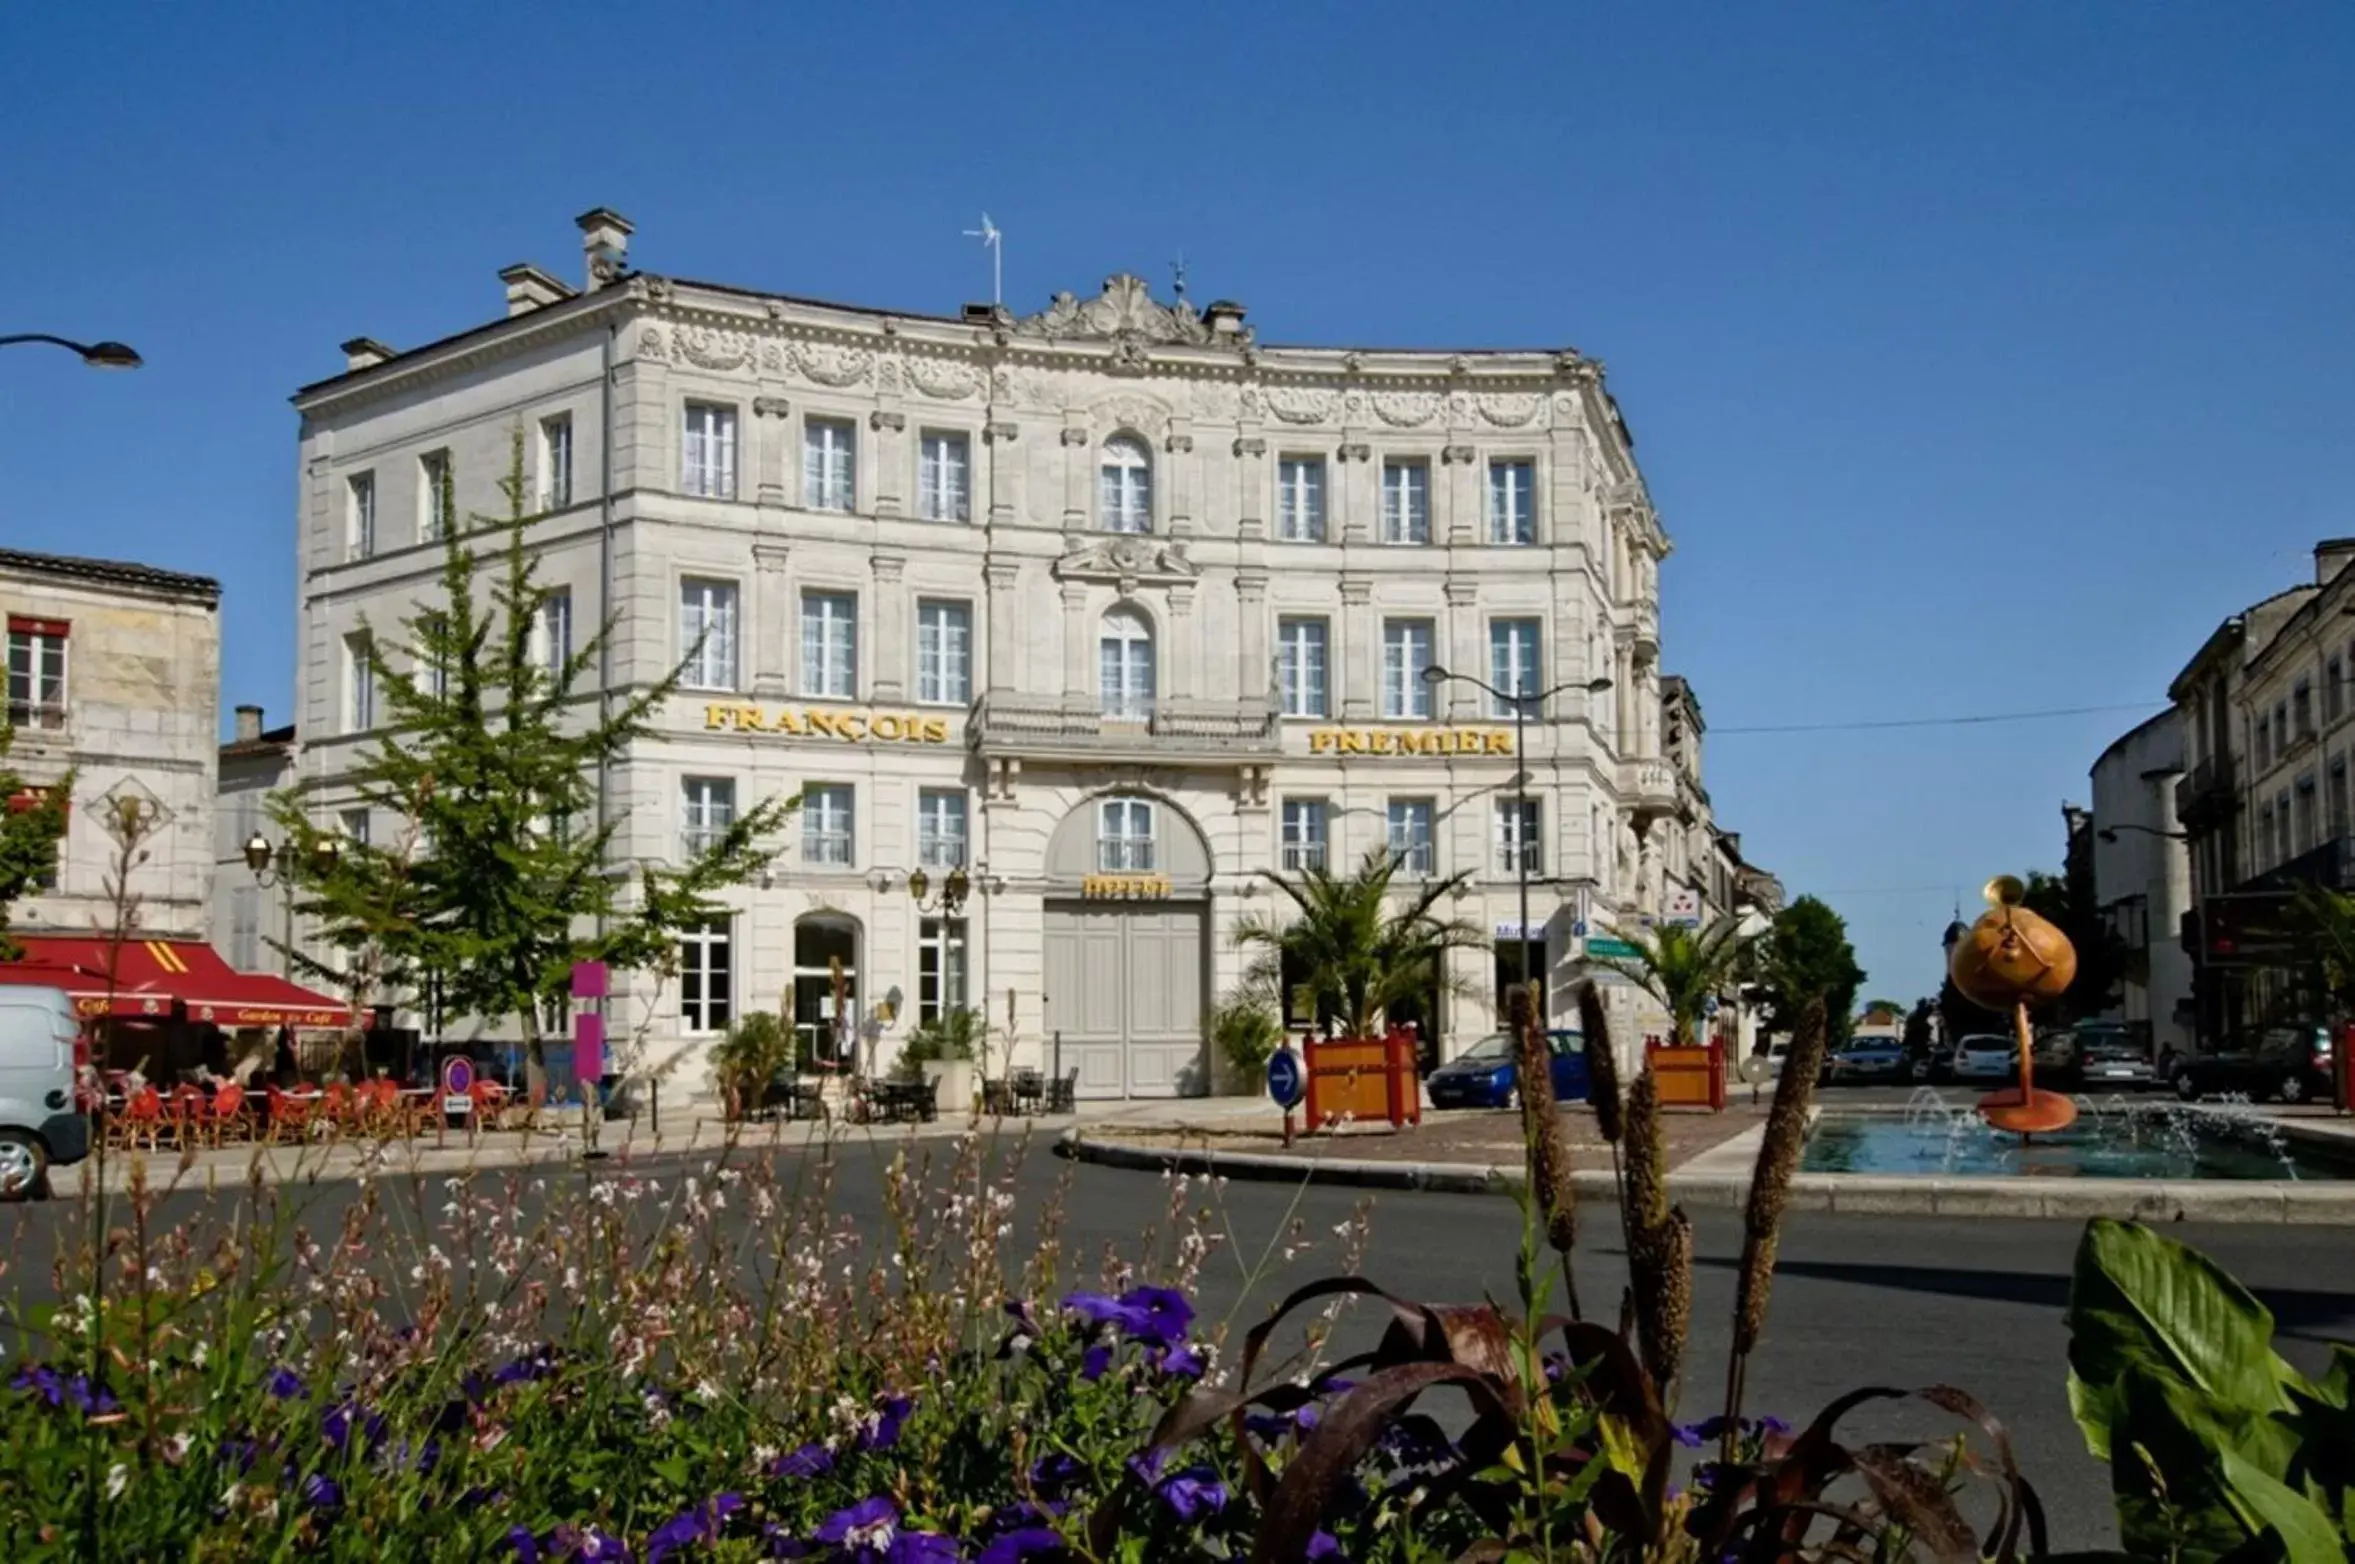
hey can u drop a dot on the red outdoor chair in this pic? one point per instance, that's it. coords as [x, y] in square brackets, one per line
[143, 1117]
[228, 1112]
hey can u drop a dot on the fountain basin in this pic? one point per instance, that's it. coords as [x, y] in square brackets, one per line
[1934, 1139]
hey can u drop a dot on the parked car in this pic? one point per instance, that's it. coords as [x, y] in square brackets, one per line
[2273, 1063]
[1869, 1059]
[1985, 1056]
[1942, 1062]
[41, 1124]
[2116, 1061]
[2058, 1058]
[1483, 1075]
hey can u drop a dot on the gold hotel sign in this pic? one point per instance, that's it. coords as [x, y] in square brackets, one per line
[1410, 741]
[851, 727]
[1125, 887]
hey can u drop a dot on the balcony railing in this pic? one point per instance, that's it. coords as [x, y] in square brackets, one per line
[2203, 795]
[1648, 787]
[1172, 731]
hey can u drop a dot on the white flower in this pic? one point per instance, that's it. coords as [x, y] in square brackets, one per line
[176, 1448]
[231, 1494]
[202, 1352]
[118, 1477]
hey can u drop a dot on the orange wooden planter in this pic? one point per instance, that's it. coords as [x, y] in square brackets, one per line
[1366, 1078]
[1690, 1077]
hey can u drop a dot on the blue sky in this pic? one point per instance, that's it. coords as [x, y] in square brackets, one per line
[1981, 356]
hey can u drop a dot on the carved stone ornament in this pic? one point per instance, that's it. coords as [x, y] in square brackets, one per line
[1355, 451]
[1127, 315]
[1077, 437]
[658, 289]
[770, 407]
[1251, 445]
[895, 422]
[943, 379]
[1450, 454]
[829, 365]
[1128, 561]
[707, 348]
[1510, 410]
[1143, 414]
[887, 375]
[650, 343]
[1180, 444]
[1405, 409]
[1300, 406]
[1000, 432]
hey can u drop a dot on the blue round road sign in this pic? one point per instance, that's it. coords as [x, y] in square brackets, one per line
[1286, 1082]
[457, 1075]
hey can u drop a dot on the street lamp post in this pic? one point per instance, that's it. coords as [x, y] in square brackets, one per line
[98, 355]
[1435, 676]
[260, 852]
[2109, 833]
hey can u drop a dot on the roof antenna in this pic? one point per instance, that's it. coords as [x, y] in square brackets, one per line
[995, 243]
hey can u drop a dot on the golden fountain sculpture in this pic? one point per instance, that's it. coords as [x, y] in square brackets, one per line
[2010, 959]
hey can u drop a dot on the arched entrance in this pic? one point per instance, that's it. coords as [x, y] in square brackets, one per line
[825, 944]
[1127, 947]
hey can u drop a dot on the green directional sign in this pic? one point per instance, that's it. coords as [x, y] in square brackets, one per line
[1604, 945]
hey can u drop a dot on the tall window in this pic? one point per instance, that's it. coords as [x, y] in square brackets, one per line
[245, 927]
[1406, 502]
[829, 463]
[1406, 652]
[2265, 836]
[431, 670]
[707, 633]
[826, 831]
[1304, 833]
[2281, 821]
[2281, 728]
[435, 495]
[353, 824]
[940, 968]
[2264, 758]
[552, 632]
[2334, 688]
[2339, 822]
[829, 645]
[1125, 496]
[1512, 661]
[944, 653]
[940, 827]
[2309, 829]
[359, 684]
[1300, 666]
[359, 524]
[1124, 835]
[1125, 666]
[706, 979]
[36, 672]
[944, 477]
[556, 462]
[1410, 835]
[1516, 837]
[1512, 502]
[1300, 499]
[707, 464]
[2302, 705]
[707, 808]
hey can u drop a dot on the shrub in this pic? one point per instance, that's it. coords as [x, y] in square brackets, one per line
[1246, 1031]
[952, 1035]
[757, 1050]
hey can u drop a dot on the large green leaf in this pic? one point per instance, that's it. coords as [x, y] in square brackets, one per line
[2139, 1301]
[2266, 1504]
[2166, 1472]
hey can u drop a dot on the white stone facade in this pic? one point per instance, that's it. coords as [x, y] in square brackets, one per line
[2142, 878]
[1007, 570]
[114, 674]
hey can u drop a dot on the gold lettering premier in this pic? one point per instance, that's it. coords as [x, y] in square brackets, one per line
[848, 727]
[1410, 741]
[1125, 887]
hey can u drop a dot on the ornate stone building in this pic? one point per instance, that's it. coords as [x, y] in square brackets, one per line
[1112, 607]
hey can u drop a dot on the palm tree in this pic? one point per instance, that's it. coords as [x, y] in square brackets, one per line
[1684, 968]
[1356, 951]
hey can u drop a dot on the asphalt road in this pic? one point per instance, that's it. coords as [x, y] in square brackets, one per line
[1895, 1301]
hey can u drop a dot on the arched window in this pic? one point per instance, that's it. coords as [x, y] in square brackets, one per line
[1125, 666]
[1126, 501]
[1124, 836]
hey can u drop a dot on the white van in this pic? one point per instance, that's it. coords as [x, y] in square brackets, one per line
[40, 1124]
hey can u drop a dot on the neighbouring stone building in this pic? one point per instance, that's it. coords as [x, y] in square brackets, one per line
[2142, 879]
[114, 674]
[252, 911]
[1111, 606]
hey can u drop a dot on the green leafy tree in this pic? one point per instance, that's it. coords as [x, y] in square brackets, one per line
[1358, 952]
[2068, 902]
[28, 837]
[1917, 1025]
[1805, 954]
[1684, 969]
[498, 884]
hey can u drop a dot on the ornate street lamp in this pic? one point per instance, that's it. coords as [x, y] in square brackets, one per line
[953, 891]
[98, 355]
[326, 852]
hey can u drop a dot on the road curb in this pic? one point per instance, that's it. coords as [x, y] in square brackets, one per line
[2072, 1200]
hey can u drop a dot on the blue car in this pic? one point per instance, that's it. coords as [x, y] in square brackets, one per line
[1482, 1076]
[1870, 1059]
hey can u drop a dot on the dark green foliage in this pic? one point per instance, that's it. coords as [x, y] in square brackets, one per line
[498, 878]
[1917, 1025]
[2070, 904]
[1356, 952]
[1805, 955]
[28, 838]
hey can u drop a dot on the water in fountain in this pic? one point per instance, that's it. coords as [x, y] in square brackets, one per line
[2114, 1137]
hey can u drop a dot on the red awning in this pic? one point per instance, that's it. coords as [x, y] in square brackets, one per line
[152, 973]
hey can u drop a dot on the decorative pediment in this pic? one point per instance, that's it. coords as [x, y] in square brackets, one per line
[1127, 315]
[1128, 562]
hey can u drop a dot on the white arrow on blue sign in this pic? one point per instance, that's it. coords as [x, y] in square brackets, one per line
[1287, 1083]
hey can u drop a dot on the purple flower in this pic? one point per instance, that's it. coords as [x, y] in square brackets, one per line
[283, 1384]
[60, 1390]
[588, 1545]
[525, 1546]
[699, 1524]
[782, 1544]
[1094, 1361]
[1772, 1426]
[239, 1453]
[812, 1460]
[1100, 1309]
[1416, 1442]
[869, 1532]
[321, 1493]
[1323, 1545]
[337, 1425]
[1179, 1361]
[1053, 1476]
[40, 1380]
[851, 1526]
[884, 1432]
[1024, 1542]
[1146, 1465]
[1692, 1435]
[538, 1363]
[1162, 1314]
[1194, 1494]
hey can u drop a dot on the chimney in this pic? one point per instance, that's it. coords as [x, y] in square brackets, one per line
[529, 288]
[364, 353]
[249, 724]
[605, 241]
[1225, 317]
[2330, 557]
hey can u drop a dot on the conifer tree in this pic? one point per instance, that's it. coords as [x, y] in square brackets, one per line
[487, 749]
